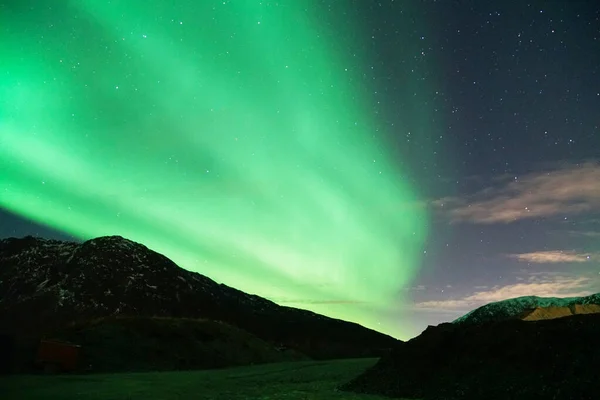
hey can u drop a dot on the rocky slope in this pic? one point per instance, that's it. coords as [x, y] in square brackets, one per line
[498, 360]
[532, 308]
[47, 284]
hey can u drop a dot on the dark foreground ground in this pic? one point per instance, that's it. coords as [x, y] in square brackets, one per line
[307, 380]
[499, 360]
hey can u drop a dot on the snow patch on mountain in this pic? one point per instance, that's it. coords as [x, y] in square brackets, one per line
[518, 307]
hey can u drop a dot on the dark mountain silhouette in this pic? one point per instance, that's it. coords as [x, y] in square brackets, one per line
[47, 285]
[508, 358]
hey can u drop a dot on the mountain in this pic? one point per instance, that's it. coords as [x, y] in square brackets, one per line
[47, 285]
[495, 360]
[532, 308]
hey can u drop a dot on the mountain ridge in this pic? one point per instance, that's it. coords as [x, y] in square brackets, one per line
[46, 284]
[532, 307]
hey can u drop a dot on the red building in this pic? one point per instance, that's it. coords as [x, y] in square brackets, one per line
[57, 356]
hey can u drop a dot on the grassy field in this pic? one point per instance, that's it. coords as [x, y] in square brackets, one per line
[306, 380]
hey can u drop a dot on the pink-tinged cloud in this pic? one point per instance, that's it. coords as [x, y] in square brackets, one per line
[570, 190]
[543, 286]
[554, 256]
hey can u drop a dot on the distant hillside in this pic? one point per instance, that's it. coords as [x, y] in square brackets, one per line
[126, 344]
[532, 308]
[45, 285]
[495, 360]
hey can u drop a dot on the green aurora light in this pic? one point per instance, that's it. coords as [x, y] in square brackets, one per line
[232, 137]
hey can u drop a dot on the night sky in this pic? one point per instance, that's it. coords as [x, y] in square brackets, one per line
[394, 163]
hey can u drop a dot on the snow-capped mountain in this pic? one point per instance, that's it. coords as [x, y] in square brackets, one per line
[531, 308]
[46, 284]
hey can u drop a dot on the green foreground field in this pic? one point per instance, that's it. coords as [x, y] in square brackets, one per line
[308, 380]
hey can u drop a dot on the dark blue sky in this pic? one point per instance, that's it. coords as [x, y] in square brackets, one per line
[515, 177]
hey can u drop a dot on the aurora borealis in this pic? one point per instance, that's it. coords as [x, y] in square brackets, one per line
[233, 137]
[394, 163]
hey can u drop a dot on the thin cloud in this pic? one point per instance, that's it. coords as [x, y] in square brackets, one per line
[553, 257]
[418, 288]
[308, 301]
[544, 286]
[589, 234]
[569, 190]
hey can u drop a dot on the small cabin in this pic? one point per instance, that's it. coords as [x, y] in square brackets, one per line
[57, 356]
